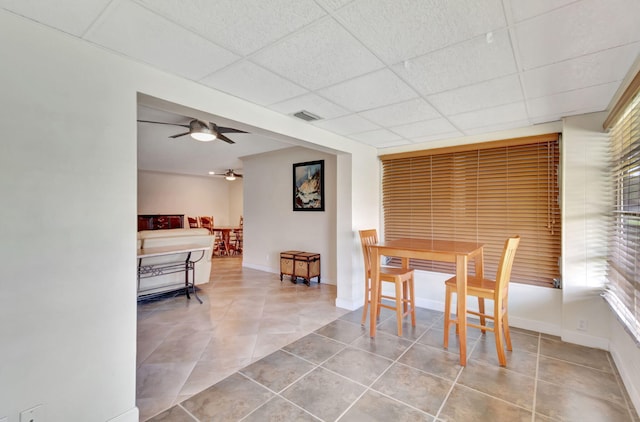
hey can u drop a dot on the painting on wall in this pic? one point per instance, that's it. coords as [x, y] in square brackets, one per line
[308, 186]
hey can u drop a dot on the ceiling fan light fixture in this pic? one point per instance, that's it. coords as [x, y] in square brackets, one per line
[230, 177]
[204, 137]
[201, 132]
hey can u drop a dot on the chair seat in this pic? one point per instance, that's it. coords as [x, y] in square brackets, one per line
[392, 273]
[476, 286]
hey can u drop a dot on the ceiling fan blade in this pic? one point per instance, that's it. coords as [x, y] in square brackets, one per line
[162, 123]
[179, 135]
[224, 138]
[229, 130]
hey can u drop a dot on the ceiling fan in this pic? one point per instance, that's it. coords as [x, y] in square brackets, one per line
[201, 131]
[230, 174]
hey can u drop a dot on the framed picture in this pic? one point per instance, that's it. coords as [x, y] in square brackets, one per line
[308, 186]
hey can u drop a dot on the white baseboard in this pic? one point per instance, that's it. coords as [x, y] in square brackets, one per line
[630, 384]
[348, 304]
[131, 415]
[585, 339]
[260, 268]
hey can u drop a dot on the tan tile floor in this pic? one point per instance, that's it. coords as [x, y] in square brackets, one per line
[261, 350]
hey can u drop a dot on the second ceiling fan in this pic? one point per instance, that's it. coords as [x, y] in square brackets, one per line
[230, 174]
[201, 131]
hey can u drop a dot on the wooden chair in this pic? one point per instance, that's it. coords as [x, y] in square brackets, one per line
[236, 241]
[402, 278]
[483, 288]
[206, 222]
[193, 222]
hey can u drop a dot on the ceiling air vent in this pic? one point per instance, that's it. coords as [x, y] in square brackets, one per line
[305, 115]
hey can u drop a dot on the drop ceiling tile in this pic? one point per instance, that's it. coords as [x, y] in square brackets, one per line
[311, 103]
[242, 26]
[577, 29]
[437, 137]
[385, 144]
[73, 16]
[346, 125]
[253, 83]
[402, 113]
[498, 128]
[402, 29]
[463, 64]
[525, 9]
[376, 136]
[593, 69]
[490, 116]
[369, 91]
[483, 95]
[158, 42]
[333, 4]
[586, 100]
[425, 128]
[320, 55]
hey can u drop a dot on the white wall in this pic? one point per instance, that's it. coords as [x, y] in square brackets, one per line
[67, 224]
[165, 193]
[271, 226]
[68, 300]
[586, 203]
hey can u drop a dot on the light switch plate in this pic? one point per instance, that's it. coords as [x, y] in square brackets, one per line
[35, 414]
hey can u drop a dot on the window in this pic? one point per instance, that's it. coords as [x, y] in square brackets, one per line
[623, 270]
[481, 193]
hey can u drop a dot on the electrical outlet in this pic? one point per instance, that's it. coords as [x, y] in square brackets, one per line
[583, 325]
[35, 414]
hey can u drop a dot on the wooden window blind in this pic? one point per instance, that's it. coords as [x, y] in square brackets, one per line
[481, 193]
[623, 269]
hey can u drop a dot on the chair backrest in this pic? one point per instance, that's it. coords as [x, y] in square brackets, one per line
[367, 238]
[506, 262]
[206, 222]
[193, 222]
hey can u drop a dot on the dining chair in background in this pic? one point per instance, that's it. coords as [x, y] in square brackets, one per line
[402, 278]
[483, 288]
[207, 223]
[193, 222]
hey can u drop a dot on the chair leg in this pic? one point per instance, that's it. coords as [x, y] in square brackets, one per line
[412, 302]
[367, 291]
[505, 325]
[497, 331]
[447, 317]
[404, 297]
[483, 320]
[399, 303]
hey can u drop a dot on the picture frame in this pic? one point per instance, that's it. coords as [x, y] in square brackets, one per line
[308, 186]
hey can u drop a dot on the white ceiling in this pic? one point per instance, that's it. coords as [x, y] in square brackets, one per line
[381, 72]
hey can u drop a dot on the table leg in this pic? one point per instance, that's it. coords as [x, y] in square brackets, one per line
[375, 281]
[186, 275]
[461, 275]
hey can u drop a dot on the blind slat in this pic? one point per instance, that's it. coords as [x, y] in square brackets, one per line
[483, 195]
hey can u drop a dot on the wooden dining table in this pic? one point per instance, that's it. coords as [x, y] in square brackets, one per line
[225, 235]
[457, 252]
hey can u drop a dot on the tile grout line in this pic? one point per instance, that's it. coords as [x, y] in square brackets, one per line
[277, 394]
[535, 380]
[187, 412]
[393, 362]
[455, 381]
